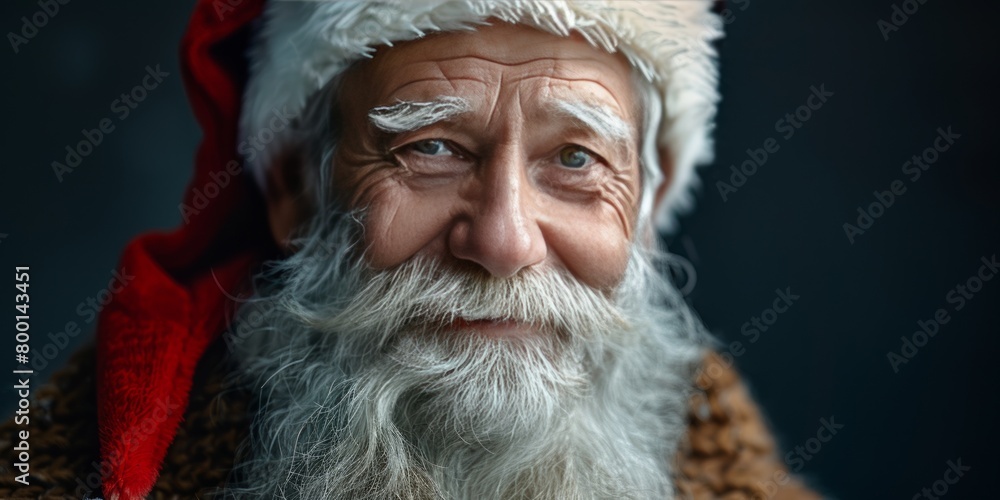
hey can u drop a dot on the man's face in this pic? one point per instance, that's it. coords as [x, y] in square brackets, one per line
[497, 178]
[512, 149]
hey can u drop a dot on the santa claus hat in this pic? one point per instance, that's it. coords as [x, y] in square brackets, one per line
[302, 46]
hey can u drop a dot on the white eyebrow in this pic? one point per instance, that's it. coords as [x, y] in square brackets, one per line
[602, 120]
[406, 116]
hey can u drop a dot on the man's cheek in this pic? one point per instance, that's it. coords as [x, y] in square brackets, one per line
[621, 200]
[592, 245]
[399, 224]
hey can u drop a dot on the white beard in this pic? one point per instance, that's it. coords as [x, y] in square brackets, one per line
[365, 394]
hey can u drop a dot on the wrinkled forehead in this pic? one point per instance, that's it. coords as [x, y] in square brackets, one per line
[478, 63]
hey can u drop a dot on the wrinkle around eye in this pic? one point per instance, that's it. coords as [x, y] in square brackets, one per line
[620, 196]
[577, 184]
[598, 184]
[372, 183]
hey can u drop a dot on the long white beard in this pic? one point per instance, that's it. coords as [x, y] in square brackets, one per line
[365, 394]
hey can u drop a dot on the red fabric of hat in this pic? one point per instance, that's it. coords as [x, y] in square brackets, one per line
[152, 336]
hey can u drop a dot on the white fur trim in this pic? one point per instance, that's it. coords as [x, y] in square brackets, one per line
[302, 45]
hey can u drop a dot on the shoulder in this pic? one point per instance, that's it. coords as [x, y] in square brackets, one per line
[60, 424]
[728, 451]
[65, 449]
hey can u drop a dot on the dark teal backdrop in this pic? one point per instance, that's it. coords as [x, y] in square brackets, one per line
[825, 106]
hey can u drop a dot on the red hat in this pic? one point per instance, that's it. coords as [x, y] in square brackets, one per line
[151, 337]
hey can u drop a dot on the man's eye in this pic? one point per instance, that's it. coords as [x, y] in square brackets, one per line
[575, 157]
[432, 147]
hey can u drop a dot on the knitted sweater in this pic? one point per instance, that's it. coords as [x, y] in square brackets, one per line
[727, 453]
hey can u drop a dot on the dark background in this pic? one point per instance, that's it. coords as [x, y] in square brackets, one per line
[825, 358]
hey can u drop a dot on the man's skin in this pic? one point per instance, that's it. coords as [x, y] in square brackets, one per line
[495, 191]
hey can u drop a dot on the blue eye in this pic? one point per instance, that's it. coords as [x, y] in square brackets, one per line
[431, 147]
[574, 157]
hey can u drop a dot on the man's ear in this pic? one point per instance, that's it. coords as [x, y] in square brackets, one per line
[667, 167]
[285, 195]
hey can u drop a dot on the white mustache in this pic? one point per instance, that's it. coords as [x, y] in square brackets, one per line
[422, 294]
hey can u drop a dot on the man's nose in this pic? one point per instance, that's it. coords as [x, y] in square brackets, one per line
[500, 231]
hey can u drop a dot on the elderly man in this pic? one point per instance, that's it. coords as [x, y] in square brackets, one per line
[456, 294]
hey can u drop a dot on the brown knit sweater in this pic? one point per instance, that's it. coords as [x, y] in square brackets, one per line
[728, 452]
